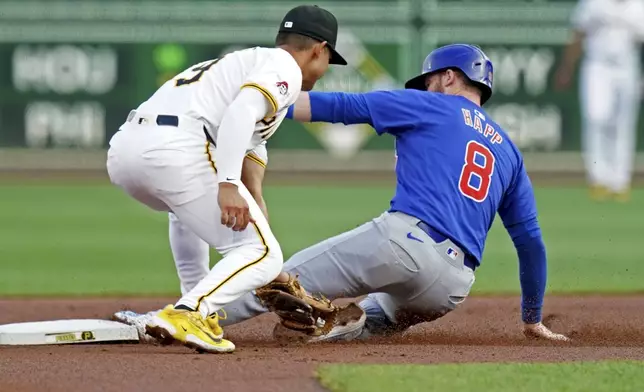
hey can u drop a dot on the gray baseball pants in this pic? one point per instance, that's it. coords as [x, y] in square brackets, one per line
[407, 276]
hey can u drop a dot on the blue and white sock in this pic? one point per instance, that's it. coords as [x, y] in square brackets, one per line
[377, 322]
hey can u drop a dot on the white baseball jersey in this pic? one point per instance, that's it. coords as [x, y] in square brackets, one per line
[612, 28]
[205, 90]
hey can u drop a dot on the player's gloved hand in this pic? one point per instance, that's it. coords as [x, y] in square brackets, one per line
[297, 309]
[234, 208]
[540, 331]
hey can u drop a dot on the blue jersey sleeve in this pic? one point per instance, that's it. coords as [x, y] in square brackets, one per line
[386, 111]
[518, 211]
[518, 204]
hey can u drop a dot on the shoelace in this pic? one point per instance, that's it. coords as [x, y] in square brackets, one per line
[196, 318]
[201, 323]
[220, 316]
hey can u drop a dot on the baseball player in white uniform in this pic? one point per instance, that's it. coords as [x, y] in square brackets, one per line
[182, 151]
[608, 32]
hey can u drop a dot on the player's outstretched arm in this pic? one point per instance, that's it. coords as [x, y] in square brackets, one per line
[330, 107]
[519, 214]
[301, 109]
[391, 112]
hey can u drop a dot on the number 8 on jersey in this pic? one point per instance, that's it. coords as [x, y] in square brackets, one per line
[476, 175]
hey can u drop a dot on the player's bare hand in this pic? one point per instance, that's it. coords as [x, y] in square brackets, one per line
[540, 331]
[563, 79]
[234, 208]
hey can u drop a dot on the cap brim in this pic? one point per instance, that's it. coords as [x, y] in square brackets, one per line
[336, 58]
[417, 83]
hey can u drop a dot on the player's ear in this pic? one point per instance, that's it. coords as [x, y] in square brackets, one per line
[450, 77]
[320, 48]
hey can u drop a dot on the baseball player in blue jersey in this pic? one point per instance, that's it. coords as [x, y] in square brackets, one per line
[456, 168]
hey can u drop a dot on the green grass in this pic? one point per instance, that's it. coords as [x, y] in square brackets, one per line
[92, 239]
[563, 377]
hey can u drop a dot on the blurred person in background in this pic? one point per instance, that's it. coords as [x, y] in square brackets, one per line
[608, 33]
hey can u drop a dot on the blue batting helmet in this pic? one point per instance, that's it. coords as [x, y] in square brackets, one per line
[469, 59]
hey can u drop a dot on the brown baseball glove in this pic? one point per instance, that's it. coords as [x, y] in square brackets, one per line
[297, 309]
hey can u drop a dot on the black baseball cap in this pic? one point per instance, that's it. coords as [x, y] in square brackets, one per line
[314, 22]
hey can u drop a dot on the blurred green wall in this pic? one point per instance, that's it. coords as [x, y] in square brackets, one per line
[70, 71]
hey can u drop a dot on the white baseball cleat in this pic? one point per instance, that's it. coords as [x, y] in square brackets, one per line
[139, 321]
[348, 326]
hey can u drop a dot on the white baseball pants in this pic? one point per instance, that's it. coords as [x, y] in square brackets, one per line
[609, 105]
[173, 169]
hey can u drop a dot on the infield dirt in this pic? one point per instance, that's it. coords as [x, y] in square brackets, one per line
[485, 329]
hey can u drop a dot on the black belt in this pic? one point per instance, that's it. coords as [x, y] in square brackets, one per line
[164, 119]
[469, 260]
[173, 121]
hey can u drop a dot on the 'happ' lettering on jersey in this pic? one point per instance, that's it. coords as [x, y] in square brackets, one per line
[476, 121]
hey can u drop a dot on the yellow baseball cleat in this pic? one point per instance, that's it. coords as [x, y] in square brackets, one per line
[189, 328]
[213, 322]
[622, 197]
[599, 193]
